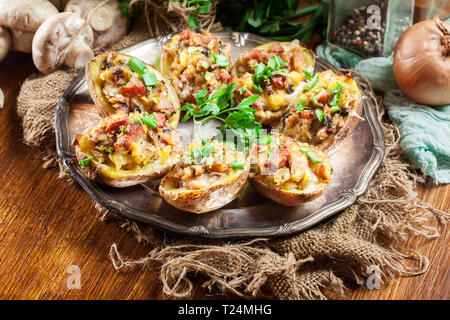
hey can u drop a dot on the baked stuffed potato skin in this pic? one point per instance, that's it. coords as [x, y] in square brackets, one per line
[121, 151]
[289, 172]
[320, 118]
[200, 188]
[115, 88]
[194, 60]
[280, 90]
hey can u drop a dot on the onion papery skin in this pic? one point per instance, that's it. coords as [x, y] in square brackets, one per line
[422, 62]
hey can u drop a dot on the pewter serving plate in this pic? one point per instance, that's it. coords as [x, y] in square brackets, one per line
[354, 160]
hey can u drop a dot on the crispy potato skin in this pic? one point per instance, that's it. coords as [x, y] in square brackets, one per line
[283, 197]
[212, 198]
[106, 109]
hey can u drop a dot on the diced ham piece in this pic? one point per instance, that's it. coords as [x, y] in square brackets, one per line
[163, 105]
[277, 81]
[134, 88]
[114, 125]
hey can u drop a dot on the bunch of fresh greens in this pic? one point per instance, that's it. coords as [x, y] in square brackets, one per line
[199, 7]
[263, 72]
[272, 18]
[239, 119]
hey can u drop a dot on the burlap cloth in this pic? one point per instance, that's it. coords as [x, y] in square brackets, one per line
[367, 235]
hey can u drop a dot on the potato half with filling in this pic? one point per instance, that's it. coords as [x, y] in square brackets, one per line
[327, 110]
[210, 176]
[128, 149]
[289, 172]
[194, 60]
[274, 71]
[119, 83]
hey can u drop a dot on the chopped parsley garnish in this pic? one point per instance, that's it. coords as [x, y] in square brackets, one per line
[143, 71]
[86, 162]
[301, 105]
[336, 95]
[311, 154]
[308, 75]
[319, 114]
[107, 149]
[239, 119]
[335, 109]
[312, 82]
[209, 75]
[148, 120]
[275, 66]
[155, 99]
[242, 90]
[237, 165]
[203, 151]
[220, 59]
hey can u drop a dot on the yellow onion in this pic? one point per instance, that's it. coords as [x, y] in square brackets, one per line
[422, 62]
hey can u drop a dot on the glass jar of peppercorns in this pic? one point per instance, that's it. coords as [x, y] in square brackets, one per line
[369, 28]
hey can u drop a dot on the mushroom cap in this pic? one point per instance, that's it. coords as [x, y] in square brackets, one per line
[64, 38]
[21, 40]
[25, 15]
[5, 43]
[105, 19]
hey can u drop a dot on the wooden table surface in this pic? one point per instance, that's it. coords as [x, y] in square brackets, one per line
[47, 225]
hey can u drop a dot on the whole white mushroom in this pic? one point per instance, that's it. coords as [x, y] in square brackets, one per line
[23, 18]
[5, 43]
[63, 39]
[105, 19]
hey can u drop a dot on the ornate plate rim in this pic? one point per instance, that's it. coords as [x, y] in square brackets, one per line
[349, 196]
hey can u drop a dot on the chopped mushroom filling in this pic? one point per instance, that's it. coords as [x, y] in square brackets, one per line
[290, 165]
[322, 108]
[199, 60]
[206, 164]
[275, 74]
[126, 91]
[129, 142]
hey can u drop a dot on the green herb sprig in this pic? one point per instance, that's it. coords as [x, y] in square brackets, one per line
[275, 66]
[239, 119]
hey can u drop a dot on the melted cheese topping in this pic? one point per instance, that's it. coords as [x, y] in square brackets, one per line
[131, 148]
[285, 164]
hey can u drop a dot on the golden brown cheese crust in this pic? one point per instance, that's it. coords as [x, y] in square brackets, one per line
[281, 89]
[318, 119]
[116, 88]
[289, 172]
[210, 176]
[188, 61]
[124, 150]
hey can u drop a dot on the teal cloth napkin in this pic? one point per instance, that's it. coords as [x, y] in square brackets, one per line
[424, 130]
